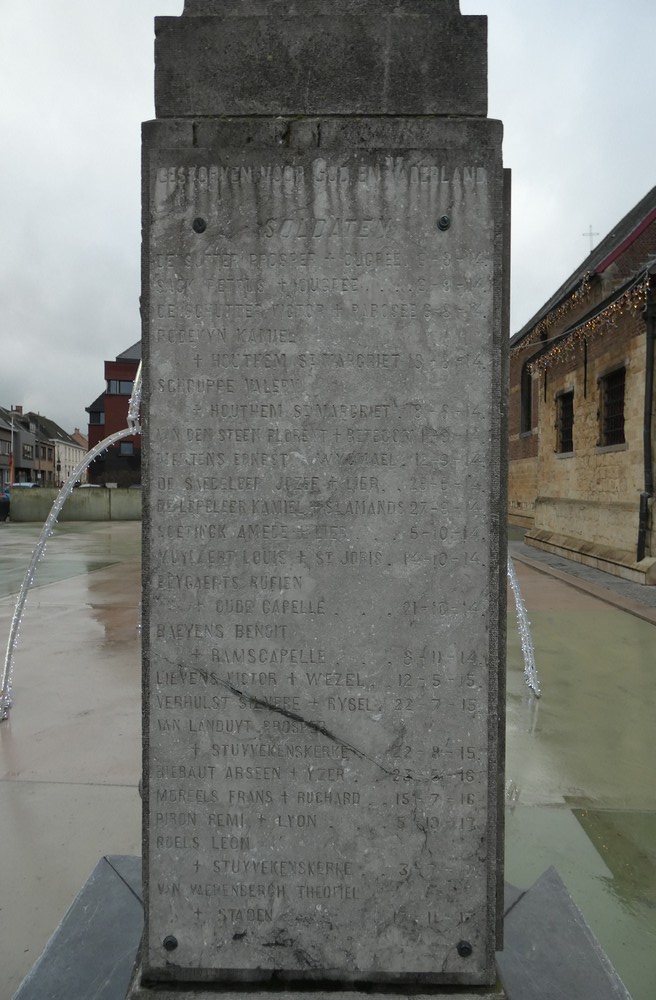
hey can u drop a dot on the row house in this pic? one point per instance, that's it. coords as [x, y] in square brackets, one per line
[42, 452]
[33, 455]
[5, 449]
[68, 451]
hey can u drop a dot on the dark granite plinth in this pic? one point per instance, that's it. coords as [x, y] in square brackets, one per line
[454, 992]
[92, 952]
[550, 951]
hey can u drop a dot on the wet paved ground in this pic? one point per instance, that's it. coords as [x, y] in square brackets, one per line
[581, 762]
[580, 769]
[70, 751]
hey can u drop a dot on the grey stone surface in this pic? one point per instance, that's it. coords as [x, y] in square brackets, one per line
[92, 952]
[325, 321]
[322, 551]
[552, 953]
[311, 8]
[321, 58]
[162, 993]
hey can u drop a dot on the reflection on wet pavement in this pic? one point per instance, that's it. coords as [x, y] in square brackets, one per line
[581, 791]
[76, 547]
[71, 748]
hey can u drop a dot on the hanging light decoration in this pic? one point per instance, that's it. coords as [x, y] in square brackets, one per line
[539, 331]
[631, 301]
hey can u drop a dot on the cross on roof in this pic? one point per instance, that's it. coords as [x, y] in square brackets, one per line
[591, 237]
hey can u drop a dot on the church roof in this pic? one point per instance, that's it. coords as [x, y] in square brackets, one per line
[618, 239]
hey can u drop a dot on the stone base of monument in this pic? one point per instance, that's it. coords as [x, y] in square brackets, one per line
[549, 951]
[457, 993]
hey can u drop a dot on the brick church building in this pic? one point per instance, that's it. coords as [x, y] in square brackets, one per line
[581, 420]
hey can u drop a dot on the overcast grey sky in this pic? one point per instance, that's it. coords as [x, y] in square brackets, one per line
[572, 81]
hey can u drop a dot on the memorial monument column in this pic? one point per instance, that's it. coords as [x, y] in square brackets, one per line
[324, 328]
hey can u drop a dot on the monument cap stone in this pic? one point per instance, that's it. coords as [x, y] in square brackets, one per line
[291, 8]
[329, 57]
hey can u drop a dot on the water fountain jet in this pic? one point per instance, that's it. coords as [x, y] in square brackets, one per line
[524, 627]
[48, 528]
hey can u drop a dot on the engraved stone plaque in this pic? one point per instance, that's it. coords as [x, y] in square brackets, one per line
[322, 547]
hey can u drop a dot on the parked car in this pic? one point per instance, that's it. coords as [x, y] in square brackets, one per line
[4, 504]
[5, 498]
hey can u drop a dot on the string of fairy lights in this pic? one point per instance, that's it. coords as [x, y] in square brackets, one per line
[577, 298]
[631, 301]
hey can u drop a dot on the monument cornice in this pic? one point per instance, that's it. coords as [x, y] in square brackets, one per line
[347, 58]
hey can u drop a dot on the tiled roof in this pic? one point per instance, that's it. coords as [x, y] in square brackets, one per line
[49, 429]
[621, 232]
[98, 404]
[132, 354]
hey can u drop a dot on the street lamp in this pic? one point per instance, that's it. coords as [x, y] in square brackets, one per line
[12, 460]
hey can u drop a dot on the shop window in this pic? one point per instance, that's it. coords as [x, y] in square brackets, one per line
[611, 408]
[565, 422]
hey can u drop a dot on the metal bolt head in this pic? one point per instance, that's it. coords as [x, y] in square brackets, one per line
[443, 223]
[464, 949]
[170, 942]
[199, 225]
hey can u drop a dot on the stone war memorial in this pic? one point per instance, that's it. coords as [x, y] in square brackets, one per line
[325, 321]
[324, 303]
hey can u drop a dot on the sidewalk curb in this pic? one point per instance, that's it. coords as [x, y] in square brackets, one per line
[601, 593]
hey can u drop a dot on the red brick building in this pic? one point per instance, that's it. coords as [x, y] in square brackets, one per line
[581, 423]
[121, 463]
